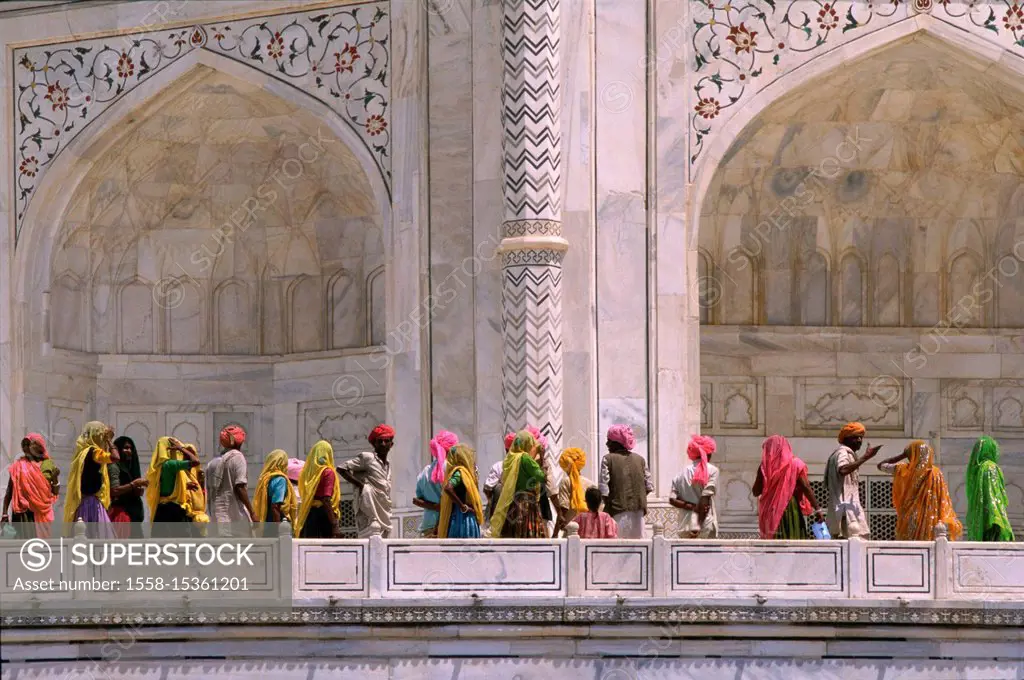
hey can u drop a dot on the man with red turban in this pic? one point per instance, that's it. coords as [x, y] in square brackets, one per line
[693, 491]
[227, 493]
[370, 474]
[845, 512]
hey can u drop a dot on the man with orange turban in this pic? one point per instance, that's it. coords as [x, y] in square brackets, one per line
[846, 516]
[227, 493]
[370, 474]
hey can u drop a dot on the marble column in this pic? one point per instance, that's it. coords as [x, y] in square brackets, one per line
[532, 245]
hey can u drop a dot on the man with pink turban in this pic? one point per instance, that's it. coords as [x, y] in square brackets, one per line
[625, 482]
[431, 481]
[693, 491]
[227, 493]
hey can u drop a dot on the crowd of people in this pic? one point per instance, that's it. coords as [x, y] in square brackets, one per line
[521, 496]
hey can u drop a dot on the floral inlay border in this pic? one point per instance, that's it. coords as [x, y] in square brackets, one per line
[741, 47]
[341, 56]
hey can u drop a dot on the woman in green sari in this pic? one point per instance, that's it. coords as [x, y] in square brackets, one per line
[518, 514]
[986, 495]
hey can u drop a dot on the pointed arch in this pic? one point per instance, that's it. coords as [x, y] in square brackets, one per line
[305, 314]
[967, 296]
[851, 288]
[376, 295]
[233, 318]
[136, 320]
[68, 309]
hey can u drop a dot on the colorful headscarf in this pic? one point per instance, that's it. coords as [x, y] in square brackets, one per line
[295, 468]
[319, 460]
[851, 430]
[573, 461]
[921, 497]
[232, 437]
[192, 501]
[986, 495]
[382, 431]
[31, 492]
[509, 438]
[461, 459]
[276, 465]
[623, 434]
[93, 440]
[700, 448]
[780, 469]
[439, 446]
[37, 439]
[538, 436]
[522, 447]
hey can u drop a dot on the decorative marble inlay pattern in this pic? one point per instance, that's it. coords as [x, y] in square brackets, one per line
[569, 613]
[513, 228]
[341, 57]
[515, 258]
[740, 48]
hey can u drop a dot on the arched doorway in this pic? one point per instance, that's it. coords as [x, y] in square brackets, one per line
[213, 255]
[859, 243]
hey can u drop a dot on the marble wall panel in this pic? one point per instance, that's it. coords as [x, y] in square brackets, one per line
[616, 569]
[825, 405]
[341, 569]
[901, 568]
[753, 568]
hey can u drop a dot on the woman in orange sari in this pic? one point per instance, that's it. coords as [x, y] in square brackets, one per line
[30, 494]
[920, 495]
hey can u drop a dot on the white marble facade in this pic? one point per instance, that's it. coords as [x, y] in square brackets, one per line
[771, 227]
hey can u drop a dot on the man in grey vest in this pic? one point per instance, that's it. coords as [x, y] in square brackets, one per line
[625, 482]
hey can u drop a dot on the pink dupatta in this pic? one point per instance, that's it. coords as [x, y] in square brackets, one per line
[780, 469]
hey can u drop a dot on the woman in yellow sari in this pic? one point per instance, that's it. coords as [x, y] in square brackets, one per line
[462, 513]
[88, 483]
[177, 504]
[320, 493]
[274, 500]
[920, 495]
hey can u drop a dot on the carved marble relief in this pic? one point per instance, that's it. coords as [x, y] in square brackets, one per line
[732, 405]
[976, 407]
[826, 404]
[341, 56]
[344, 428]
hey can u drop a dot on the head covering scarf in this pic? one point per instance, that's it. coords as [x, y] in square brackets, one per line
[522, 448]
[319, 459]
[93, 438]
[37, 439]
[509, 438]
[131, 468]
[192, 501]
[461, 459]
[851, 430]
[382, 431]
[294, 469]
[276, 465]
[439, 446]
[573, 461]
[232, 437]
[540, 438]
[921, 498]
[780, 469]
[986, 495]
[623, 434]
[31, 491]
[700, 448]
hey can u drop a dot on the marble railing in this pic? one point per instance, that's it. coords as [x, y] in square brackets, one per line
[333, 571]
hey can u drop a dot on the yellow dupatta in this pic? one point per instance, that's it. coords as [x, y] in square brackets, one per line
[921, 497]
[522, 445]
[461, 459]
[572, 462]
[276, 465]
[93, 438]
[192, 501]
[320, 458]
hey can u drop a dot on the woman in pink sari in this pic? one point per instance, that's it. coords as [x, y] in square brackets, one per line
[783, 492]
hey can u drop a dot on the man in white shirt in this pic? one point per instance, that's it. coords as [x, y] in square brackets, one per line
[846, 516]
[227, 495]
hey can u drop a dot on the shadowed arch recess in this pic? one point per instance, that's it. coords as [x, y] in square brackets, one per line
[217, 180]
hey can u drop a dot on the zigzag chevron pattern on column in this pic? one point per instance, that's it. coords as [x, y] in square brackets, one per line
[531, 101]
[531, 323]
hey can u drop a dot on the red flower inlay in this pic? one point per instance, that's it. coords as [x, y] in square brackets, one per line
[197, 37]
[346, 59]
[827, 17]
[29, 166]
[375, 125]
[707, 107]
[742, 38]
[125, 67]
[58, 97]
[275, 48]
[1014, 19]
